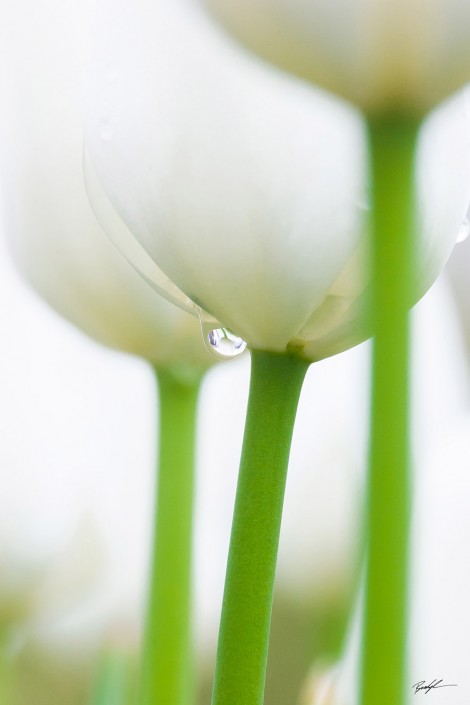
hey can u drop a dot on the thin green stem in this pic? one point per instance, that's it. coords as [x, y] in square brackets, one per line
[167, 669]
[384, 655]
[113, 684]
[276, 381]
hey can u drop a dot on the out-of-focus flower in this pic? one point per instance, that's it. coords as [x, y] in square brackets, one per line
[33, 594]
[383, 56]
[245, 186]
[53, 234]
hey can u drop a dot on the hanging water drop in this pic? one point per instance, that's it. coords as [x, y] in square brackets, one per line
[225, 343]
[220, 341]
[464, 231]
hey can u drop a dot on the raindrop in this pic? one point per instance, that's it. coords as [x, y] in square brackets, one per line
[221, 342]
[464, 231]
[226, 343]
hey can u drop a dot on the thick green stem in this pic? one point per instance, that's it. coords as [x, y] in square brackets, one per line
[384, 655]
[276, 381]
[167, 668]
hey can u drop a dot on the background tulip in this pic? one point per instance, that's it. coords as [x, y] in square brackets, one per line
[53, 234]
[61, 249]
[402, 57]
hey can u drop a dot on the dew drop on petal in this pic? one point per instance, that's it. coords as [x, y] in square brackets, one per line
[220, 341]
[225, 343]
[464, 231]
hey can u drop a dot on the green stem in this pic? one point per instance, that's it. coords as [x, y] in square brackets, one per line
[384, 654]
[167, 662]
[113, 684]
[276, 381]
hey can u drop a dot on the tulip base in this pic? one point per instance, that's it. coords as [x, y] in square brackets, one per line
[276, 382]
[167, 669]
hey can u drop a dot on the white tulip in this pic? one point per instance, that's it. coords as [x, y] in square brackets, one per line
[384, 56]
[244, 185]
[52, 231]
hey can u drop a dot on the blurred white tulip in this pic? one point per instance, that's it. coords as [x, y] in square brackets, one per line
[52, 231]
[402, 57]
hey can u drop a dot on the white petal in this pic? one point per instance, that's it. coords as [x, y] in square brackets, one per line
[443, 176]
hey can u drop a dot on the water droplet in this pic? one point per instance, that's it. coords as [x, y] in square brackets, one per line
[226, 343]
[464, 231]
[220, 341]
